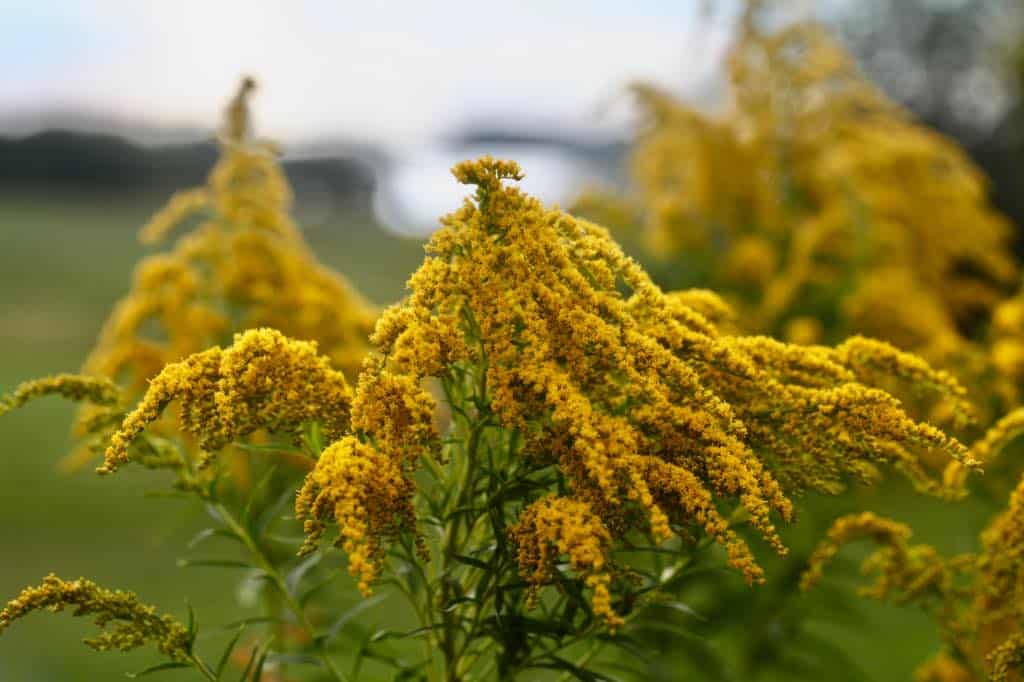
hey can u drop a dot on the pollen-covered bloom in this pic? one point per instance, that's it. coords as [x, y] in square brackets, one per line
[264, 381]
[134, 623]
[653, 418]
[554, 527]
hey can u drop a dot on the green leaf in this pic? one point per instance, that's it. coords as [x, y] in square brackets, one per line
[257, 490]
[685, 608]
[255, 620]
[257, 674]
[224, 657]
[214, 563]
[192, 629]
[256, 660]
[574, 670]
[269, 448]
[470, 561]
[271, 512]
[315, 438]
[295, 575]
[173, 665]
[208, 533]
[351, 613]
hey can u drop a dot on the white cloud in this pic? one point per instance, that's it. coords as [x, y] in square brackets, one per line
[405, 70]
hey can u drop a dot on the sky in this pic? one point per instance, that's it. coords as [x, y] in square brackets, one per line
[374, 71]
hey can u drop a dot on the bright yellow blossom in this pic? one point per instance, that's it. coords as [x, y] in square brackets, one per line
[653, 417]
[264, 381]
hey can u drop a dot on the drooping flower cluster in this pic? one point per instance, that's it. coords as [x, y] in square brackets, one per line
[977, 600]
[554, 527]
[263, 381]
[653, 418]
[813, 194]
[134, 623]
[369, 495]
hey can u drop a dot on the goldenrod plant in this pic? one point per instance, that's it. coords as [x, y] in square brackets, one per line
[539, 447]
[818, 208]
[241, 263]
[814, 204]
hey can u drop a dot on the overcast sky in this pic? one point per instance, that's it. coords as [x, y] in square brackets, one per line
[382, 71]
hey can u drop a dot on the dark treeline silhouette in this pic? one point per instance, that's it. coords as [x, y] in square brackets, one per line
[56, 161]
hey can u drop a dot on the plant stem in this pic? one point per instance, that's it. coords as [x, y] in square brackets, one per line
[202, 667]
[275, 576]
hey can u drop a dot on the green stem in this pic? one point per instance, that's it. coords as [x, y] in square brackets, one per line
[202, 667]
[275, 576]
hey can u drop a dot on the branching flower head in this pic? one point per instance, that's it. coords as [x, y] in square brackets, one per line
[264, 381]
[134, 624]
[651, 416]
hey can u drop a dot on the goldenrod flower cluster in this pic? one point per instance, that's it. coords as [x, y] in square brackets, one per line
[243, 264]
[654, 418]
[74, 387]
[134, 624]
[370, 496]
[264, 381]
[976, 599]
[813, 195]
[554, 527]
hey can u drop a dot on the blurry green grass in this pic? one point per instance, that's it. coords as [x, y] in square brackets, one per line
[64, 261]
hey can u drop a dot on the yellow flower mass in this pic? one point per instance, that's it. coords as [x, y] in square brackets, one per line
[813, 194]
[653, 419]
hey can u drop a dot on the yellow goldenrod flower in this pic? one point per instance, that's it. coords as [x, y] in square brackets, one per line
[653, 417]
[553, 527]
[977, 600]
[243, 264]
[134, 623]
[263, 381]
[808, 191]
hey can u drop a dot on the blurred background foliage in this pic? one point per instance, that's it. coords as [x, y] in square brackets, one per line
[71, 201]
